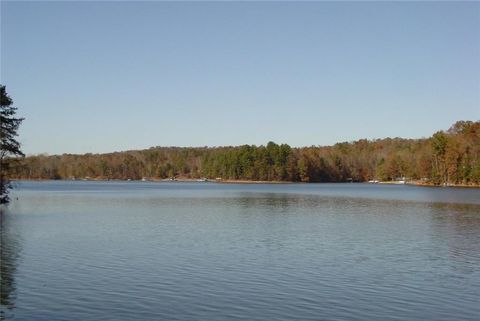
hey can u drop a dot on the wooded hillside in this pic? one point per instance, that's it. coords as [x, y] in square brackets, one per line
[447, 157]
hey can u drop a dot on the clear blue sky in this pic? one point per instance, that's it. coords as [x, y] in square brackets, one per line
[110, 76]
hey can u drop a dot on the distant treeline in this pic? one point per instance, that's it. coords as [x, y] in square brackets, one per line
[448, 157]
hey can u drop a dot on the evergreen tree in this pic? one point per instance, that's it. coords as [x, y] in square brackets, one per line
[9, 146]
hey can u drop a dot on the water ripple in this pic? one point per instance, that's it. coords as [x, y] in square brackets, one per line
[94, 251]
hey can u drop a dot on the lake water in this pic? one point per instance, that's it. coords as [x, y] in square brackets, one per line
[204, 251]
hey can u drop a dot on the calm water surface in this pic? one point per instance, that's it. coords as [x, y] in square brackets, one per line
[204, 251]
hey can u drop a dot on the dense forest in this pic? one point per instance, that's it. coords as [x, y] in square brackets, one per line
[447, 157]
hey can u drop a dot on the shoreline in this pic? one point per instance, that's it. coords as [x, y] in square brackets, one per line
[243, 181]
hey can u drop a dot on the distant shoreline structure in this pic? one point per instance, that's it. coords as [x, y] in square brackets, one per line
[232, 181]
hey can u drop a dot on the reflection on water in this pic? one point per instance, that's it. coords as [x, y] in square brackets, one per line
[9, 252]
[150, 251]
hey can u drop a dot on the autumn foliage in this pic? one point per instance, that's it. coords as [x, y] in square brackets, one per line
[448, 157]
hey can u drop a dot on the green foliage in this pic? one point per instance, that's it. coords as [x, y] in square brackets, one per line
[9, 146]
[451, 157]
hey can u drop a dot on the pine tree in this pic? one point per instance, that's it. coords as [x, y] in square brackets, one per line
[9, 146]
